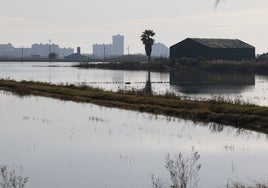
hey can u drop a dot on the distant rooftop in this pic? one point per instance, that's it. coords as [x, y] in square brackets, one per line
[222, 43]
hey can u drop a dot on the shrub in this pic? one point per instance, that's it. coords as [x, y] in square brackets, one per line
[8, 179]
[183, 171]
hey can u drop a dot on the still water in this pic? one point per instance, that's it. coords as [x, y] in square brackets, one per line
[247, 88]
[67, 144]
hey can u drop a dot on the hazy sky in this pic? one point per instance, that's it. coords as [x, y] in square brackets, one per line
[86, 22]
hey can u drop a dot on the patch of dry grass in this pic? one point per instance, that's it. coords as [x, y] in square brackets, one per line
[228, 113]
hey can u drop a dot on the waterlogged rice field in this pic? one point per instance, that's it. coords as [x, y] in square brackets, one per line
[248, 89]
[66, 144]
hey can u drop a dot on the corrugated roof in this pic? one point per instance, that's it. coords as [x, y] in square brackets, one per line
[222, 43]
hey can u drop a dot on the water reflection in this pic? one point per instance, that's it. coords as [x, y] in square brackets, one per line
[194, 82]
[190, 84]
[80, 145]
[148, 84]
[236, 132]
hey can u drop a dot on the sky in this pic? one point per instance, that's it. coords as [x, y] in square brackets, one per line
[86, 22]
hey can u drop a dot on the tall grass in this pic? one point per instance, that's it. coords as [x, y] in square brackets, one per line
[234, 113]
[183, 171]
[241, 185]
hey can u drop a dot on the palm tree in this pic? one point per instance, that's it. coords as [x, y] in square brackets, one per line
[148, 41]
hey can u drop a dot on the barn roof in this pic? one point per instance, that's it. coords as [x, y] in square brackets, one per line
[222, 43]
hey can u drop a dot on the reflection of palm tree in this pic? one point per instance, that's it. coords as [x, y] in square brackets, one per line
[148, 84]
[217, 2]
[148, 41]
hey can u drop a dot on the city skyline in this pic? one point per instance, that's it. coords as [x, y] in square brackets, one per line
[114, 49]
[36, 50]
[83, 23]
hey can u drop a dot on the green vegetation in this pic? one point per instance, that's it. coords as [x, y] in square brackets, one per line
[235, 114]
[189, 64]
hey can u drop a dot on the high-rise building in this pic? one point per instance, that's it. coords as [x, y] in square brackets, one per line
[6, 50]
[101, 51]
[118, 45]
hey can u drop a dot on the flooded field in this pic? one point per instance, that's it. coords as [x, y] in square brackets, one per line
[248, 88]
[65, 144]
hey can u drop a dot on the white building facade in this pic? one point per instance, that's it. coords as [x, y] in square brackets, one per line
[118, 45]
[102, 51]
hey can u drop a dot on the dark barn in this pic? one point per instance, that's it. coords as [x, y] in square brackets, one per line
[227, 49]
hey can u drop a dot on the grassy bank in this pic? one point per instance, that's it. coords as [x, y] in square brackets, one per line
[249, 117]
[182, 64]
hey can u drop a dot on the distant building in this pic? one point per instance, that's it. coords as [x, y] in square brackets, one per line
[63, 52]
[6, 50]
[36, 50]
[76, 56]
[98, 51]
[44, 49]
[160, 50]
[229, 49]
[102, 51]
[118, 45]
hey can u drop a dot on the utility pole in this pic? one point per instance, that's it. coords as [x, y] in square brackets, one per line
[104, 51]
[49, 48]
[128, 48]
[22, 54]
